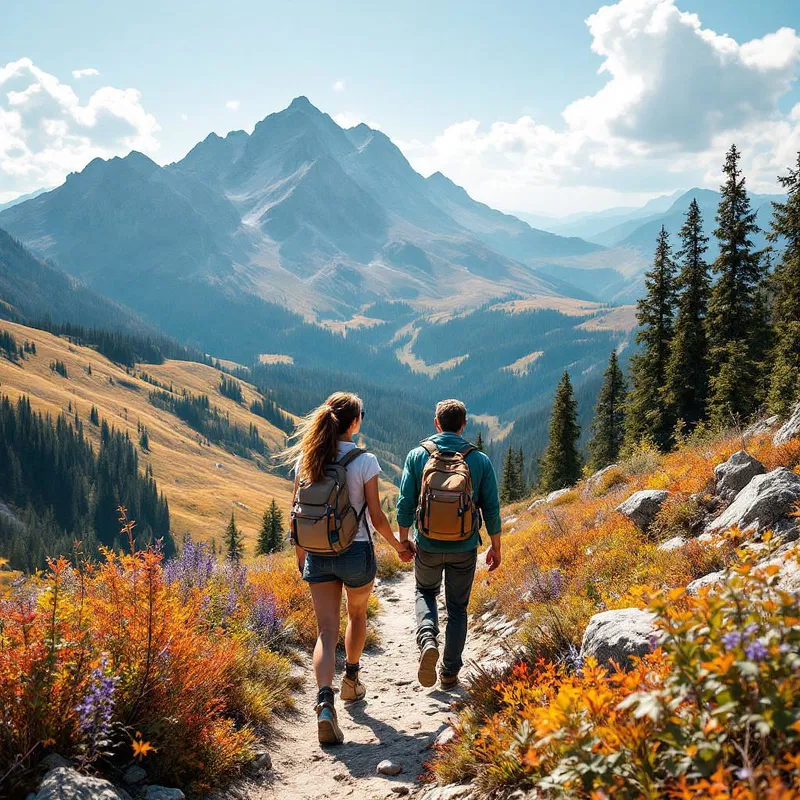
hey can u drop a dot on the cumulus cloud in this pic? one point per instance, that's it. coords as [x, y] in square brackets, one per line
[84, 73]
[46, 132]
[349, 119]
[338, 86]
[232, 105]
[676, 95]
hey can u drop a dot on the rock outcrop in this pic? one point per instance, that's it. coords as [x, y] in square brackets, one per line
[790, 429]
[675, 543]
[641, 507]
[66, 783]
[619, 634]
[736, 473]
[764, 501]
[594, 481]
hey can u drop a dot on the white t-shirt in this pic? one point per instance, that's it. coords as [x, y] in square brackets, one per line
[363, 469]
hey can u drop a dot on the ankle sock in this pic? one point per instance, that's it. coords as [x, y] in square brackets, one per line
[351, 670]
[325, 695]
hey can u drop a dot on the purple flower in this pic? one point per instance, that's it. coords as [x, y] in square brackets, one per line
[96, 709]
[756, 650]
[544, 587]
[265, 620]
[731, 640]
[744, 774]
[750, 629]
[192, 569]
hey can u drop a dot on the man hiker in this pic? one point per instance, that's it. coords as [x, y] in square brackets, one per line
[447, 485]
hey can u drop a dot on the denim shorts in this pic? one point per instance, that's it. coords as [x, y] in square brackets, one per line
[355, 567]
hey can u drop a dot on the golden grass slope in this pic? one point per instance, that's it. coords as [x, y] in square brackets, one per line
[202, 483]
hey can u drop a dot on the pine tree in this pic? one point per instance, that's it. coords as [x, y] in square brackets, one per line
[784, 389]
[234, 546]
[144, 440]
[509, 482]
[520, 484]
[646, 417]
[94, 416]
[608, 424]
[732, 329]
[479, 443]
[561, 462]
[270, 537]
[686, 391]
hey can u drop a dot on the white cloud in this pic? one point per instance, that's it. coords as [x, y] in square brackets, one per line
[45, 131]
[349, 119]
[338, 86]
[184, 117]
[232, 105]
[677, 94]
[84, 73]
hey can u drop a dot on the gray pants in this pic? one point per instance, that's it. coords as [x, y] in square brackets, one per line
[459, 573]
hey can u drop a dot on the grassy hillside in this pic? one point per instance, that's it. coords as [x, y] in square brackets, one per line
[203, 483]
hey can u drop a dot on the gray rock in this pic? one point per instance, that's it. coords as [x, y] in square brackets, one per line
[537, 503]
[736, 473]
[641, 507]
[163, 793]
[53, 761]
[510, 520]
[400, 791]
[134, 774]
[790, 429]
[387, 767]
[65, 783]
[761, 426]
[764, 501]
[618, 634]
[675, 543]
[788, 562]
[445, 737]
[594, 481]
[707, 580]
[553, 496]
[458, 791]
[262, 762]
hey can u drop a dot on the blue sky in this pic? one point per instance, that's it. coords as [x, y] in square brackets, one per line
[415, 69]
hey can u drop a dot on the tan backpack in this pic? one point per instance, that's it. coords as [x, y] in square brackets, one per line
[323, 520]
[446, 509]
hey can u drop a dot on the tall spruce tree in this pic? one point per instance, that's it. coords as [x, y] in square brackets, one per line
[686, 390]
[561, 462]
[608, 424]
[733, 326]
[509, 481]
[784, 389]
[646, 415]
[479, 443]
[234, 546]
[521, 485]
[270, 536]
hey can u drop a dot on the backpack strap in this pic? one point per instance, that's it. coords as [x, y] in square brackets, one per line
[467, 450]
[429, 446]
[350, 456]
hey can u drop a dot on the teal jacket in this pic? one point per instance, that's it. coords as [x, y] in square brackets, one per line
[484, 487]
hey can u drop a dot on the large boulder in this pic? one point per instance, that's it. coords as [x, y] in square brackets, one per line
[675, 543]
[65, 783]
[790, 429]
[595, 481]
[619, 634]
[641, 507]
[707, 580]
[766, 500]
[736, 473]
[761, 426]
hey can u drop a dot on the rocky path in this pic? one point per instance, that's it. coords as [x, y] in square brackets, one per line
[398, 720]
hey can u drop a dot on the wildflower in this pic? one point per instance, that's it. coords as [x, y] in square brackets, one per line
[756, 650]
[744, 774]
[141, 749]
[731, 640]
[265, 620]
[96, 710]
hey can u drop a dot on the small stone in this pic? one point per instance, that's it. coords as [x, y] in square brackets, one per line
[263, 762]
[134, 774]
[675, 543]
[387, 767]
[400, 791]
[445, 737]
[163, 793]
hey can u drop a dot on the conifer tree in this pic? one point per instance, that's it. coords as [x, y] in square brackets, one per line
[234, 546]
[732, 330]
[561, 462]
[270, 536]
[520, 485]
[608, 423]
[784, 389]
[686, 390]
[479, 443]
[646, 416]
[509, 481]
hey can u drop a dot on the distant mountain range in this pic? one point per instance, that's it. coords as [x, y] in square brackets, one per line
[300, 213]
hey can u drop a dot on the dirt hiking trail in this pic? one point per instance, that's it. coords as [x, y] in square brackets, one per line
[398, 720]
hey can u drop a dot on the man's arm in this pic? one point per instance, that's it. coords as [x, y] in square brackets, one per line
[407, 499]
[489, 504]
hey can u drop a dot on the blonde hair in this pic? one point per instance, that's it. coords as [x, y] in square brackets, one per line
[318, 432]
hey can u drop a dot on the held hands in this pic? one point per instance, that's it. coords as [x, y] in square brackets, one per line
[493, 558]
[406, 550]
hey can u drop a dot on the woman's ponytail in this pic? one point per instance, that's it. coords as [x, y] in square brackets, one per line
[317, 434]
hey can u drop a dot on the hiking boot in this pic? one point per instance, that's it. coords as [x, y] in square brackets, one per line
[448, 682]
[328, 728]
[352, 689]
[428, 659]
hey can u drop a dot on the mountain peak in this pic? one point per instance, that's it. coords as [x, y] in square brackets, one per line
[302, 103]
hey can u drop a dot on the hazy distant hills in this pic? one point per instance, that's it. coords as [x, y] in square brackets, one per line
[302, 213]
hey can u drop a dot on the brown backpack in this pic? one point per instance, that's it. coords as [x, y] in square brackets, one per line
[323, 520]
[446, 509]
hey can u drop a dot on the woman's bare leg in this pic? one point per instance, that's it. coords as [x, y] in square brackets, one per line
[327, 599]
[356, 633]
